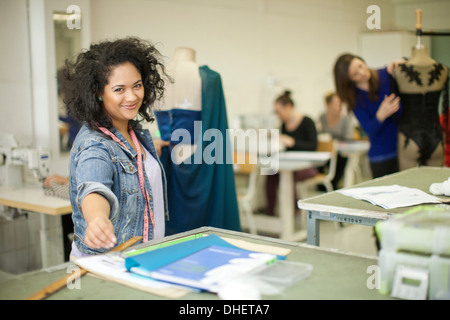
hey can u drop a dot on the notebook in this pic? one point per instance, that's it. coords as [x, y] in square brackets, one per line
[152, 260]
[199, 256]
[211, 268]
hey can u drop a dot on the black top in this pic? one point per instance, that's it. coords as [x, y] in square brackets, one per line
[420, 95]
[305, 136]
[420, 122]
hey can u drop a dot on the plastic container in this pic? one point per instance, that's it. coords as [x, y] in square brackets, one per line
[438, 268]
[418, 240]
[284, 273]
[424, 229]
[440, 278]
[274, 278]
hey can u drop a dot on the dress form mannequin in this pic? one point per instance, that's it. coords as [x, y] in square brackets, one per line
[420, 82]
[200, 193]
[183, 93]
[420, 57]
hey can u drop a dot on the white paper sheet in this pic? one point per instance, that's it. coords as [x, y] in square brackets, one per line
[390, 197]
[111, 266]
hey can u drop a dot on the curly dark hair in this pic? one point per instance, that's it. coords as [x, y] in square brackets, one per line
[89, 72]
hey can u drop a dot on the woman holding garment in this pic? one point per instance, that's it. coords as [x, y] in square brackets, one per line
[369, 94]
[117, 184]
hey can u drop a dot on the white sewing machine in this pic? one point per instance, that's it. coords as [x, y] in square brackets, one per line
[13, 160]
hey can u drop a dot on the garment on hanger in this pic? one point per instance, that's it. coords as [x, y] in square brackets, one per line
[421, 83]
[200, 194]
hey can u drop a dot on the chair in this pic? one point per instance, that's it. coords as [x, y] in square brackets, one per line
[322, 178]
[245, 164]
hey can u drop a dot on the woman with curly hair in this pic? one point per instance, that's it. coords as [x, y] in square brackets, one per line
[117, 183]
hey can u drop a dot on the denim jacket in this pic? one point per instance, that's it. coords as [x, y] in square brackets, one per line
[101, 165]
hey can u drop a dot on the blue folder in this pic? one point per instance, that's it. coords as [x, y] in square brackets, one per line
[158, 258]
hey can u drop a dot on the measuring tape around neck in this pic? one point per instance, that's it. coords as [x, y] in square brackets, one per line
[148, 210]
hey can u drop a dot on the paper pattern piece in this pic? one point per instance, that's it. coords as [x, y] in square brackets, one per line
[391, 197]
[111, 266]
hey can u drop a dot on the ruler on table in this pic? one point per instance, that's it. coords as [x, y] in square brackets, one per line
[61, 283]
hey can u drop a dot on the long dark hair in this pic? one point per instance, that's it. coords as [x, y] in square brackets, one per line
[345, 87]
[88, 75]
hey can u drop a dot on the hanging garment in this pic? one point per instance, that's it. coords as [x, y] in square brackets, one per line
[200, 193]
[420, 132]
[446, 128]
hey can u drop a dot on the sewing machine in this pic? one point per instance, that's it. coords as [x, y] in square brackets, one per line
[14, 159]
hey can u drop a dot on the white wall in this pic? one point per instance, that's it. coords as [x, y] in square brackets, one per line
[435, 14]
[15, 82]
[28, 72]
[292, 43]
[394, 46]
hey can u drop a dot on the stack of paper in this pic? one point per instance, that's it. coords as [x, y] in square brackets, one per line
[206, 263]
[181, 265]
[111, 266]
[390, 197]
[211, 268]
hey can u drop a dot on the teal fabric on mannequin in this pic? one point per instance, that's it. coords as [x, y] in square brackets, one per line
[202, 193]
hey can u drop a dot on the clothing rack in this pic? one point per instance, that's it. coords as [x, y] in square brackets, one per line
[435, 33]
[420, 33]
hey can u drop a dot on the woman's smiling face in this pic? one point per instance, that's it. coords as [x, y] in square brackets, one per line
[358, 71]
[122, 96]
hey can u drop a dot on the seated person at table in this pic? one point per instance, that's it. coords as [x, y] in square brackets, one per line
[298, 133]
[339, 126]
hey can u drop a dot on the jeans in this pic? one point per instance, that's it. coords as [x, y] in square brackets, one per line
[383, 168]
